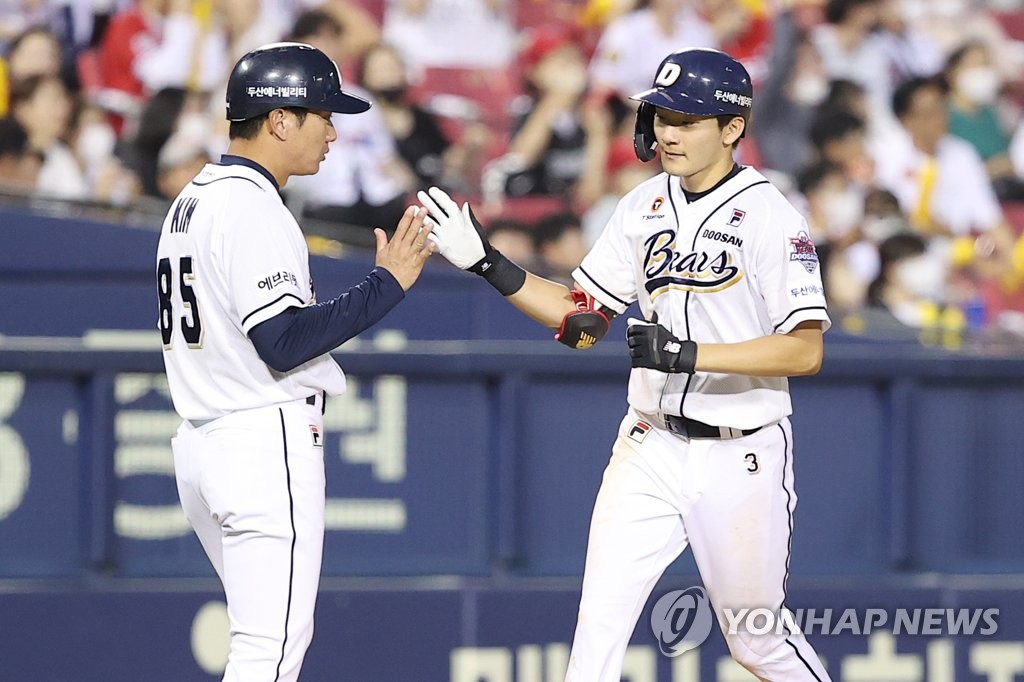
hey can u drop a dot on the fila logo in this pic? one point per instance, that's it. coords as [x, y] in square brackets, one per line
[318, 441]
[672, 347]
[639, 431]
[737, 217]
[668, 75]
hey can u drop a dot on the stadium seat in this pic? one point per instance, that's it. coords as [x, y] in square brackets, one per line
[461, 96]
[539, 12]
[531, 209]
[1014, 212]
[1012, 23]
[375, 8]
[87, 64]
[491, 89]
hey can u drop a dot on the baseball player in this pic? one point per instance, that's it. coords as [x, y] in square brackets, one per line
[245, 348]
[727, 281]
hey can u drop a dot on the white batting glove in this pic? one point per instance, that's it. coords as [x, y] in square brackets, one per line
[457, 233]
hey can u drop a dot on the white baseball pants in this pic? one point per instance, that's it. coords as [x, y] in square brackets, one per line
[660, 493]
[252, 486]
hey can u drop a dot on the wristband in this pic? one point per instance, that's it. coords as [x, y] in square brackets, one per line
[687, 361]
[500, 272]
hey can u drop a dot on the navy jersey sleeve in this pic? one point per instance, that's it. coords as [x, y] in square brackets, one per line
[299, 334]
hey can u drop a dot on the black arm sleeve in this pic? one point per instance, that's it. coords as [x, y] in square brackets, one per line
[298, 335]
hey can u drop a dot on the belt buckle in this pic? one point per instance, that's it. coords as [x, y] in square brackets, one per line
[677, 425]
[682, 426]
[322, 397]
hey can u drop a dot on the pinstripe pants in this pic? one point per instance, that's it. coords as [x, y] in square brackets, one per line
[252, 485]
[731, 501]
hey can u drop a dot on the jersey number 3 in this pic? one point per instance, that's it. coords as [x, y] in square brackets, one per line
[753, 466]
[191, 324]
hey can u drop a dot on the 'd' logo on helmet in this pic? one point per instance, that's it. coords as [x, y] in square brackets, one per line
[657, 204]
[668, 75]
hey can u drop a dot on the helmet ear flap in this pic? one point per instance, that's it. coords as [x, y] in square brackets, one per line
[644, 142]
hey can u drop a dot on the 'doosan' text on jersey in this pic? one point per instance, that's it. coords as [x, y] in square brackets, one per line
[735, 264]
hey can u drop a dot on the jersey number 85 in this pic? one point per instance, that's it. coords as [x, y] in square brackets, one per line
[191, 324]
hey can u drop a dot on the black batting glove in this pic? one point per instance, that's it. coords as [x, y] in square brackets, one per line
[652, 346]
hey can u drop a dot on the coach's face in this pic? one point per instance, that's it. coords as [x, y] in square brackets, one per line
[312, 137]
[690, 145]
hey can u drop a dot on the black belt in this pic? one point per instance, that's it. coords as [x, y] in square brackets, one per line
[311, 400]
[691, 428]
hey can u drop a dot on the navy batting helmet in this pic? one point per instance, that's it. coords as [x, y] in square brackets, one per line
[287, 75]
[701, 82]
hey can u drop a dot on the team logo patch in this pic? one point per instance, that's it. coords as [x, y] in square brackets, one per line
[318, 440]
[639, 431]
[657, 204]
[803, 251]
[737, 217]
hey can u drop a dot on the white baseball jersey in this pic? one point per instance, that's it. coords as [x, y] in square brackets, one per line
[231, 256]
[736, 264]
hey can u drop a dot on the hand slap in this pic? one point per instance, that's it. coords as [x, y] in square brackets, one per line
[413, 229]
[457, 233]
[460, 238]
[408, 249]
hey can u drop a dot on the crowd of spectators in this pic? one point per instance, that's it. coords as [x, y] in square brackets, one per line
[897, 126]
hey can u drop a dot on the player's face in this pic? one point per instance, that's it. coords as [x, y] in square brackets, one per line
[314, 136]
[693, 148]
